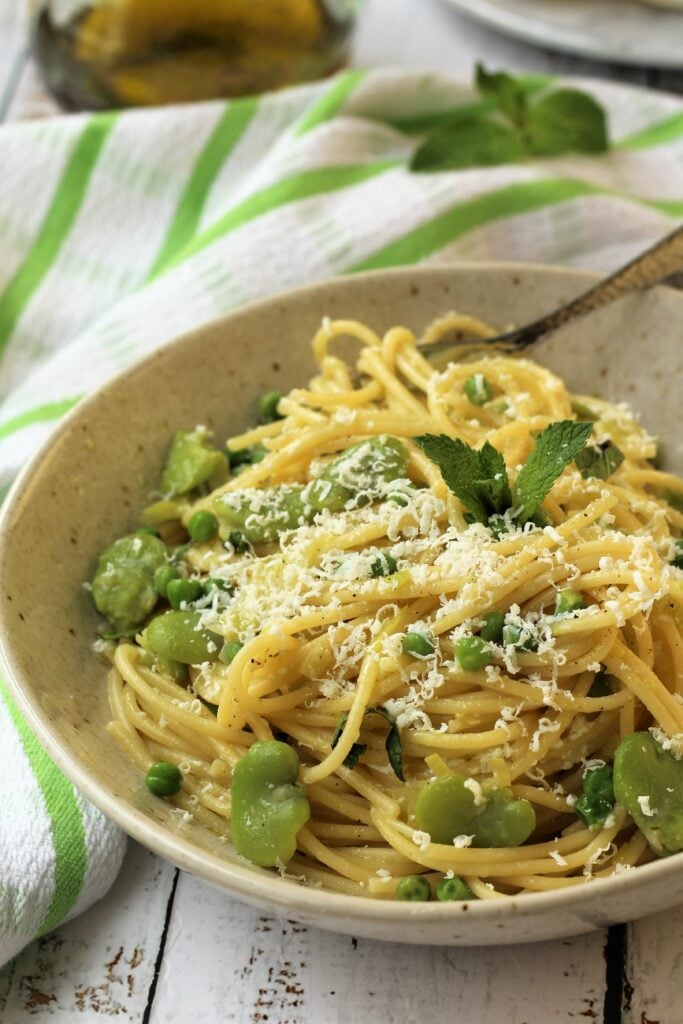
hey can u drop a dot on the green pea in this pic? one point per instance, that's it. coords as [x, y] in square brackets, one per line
[241, 457]
[568, 601]
[447, 807]
[478, 389]
[269, 805]
[414, 888]
[492, 630]
[268, 404]
[163, 576]
[383, 565]
[648, 782]
[203, 526]
[596, 800]
[358, 475]
[123, 584]
[520, 637]
[230, 650]
[417, 644]
[473, 653]
[180, 592]
[451, 889]
[192, 461]
[262, 515]
[179, 636]
[164, 779]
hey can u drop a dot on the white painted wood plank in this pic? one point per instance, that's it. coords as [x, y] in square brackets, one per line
[654, 966]
[246, 967]
[102, 963]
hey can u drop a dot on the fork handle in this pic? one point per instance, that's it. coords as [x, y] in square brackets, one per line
[657, 262]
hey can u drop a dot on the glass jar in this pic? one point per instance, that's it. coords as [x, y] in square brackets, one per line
[100, 54]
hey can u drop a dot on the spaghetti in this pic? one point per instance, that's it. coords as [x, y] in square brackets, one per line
[315, 611]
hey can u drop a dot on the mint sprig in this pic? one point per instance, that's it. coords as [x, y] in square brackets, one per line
[479, 478]
[520, 125]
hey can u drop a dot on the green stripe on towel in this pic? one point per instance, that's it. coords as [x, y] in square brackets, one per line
[59, 219]
[66, 821]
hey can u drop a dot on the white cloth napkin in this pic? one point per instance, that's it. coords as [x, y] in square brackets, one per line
[119, 231]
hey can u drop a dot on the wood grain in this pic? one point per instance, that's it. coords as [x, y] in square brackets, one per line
[252, 968]
[102, 964]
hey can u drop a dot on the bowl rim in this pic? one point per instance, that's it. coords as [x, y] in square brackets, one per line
[242, 879]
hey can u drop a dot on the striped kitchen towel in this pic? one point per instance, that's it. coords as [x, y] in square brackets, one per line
[119, 231]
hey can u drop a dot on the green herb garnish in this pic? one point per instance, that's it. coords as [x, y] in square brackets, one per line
[392, 746]
[519, 126]
[599, 460]
[596, 801]
[478, 476]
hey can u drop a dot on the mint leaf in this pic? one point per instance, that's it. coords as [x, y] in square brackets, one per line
[467, 142]
[477, 476]
[599, 460]
[392, 745]
[566, 121]
[461, 469]
[555, 448]
[493, 486]
[507, 92]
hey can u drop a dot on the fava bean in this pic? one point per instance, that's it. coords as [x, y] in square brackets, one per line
[269, 805]
[178, 636]
[192, 461]
[260, 516]
[358, 475]
[446, 808]
[123, 585]
[648, 782]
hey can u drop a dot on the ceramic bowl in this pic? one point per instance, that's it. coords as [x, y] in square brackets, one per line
[86, 485]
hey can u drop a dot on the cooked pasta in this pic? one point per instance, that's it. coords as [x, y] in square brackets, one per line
[355, 607]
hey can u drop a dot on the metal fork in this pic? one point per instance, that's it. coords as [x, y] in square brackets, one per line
[658, 262]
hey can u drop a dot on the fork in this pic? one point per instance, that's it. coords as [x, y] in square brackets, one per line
[660, 261]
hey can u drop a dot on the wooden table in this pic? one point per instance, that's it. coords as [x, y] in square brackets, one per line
[163, 948]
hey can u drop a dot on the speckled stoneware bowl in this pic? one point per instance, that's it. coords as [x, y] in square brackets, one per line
[86, 485]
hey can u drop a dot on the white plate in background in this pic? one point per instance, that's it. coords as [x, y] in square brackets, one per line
[623, 31]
